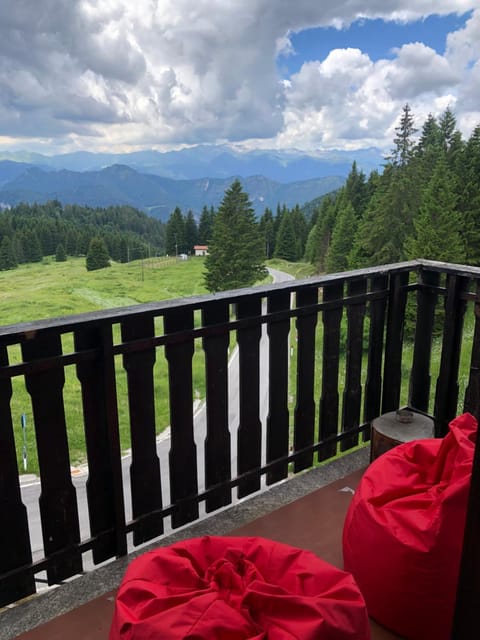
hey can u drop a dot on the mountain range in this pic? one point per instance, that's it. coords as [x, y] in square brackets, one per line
[189, 178]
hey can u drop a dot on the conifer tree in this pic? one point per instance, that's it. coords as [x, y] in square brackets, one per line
[60, 253]
[31, 246]
[267, 230]
[321, 234]
[175, 233]
[191, 232]
[356, 190]
[286, 244]
[403, 141]
[469, 200]
[7, 256]
[97, 255]
[205, 225]
[342, 237]
[301, 230]
[236, 251]
[387, 221]
[437, 227]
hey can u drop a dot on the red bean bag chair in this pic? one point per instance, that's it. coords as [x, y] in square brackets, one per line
[220, 588]
[403, 532]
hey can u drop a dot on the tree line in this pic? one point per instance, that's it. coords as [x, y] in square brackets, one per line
[28, 232]
[284, 234]
[425, 203]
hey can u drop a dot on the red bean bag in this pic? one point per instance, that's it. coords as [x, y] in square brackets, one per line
[403, 533]
[220, 588]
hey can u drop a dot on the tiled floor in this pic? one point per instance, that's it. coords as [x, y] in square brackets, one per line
[313, 522]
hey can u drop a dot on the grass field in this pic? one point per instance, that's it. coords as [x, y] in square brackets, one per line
[52, 289]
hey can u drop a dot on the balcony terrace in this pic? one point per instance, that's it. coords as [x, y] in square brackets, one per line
[294, 373]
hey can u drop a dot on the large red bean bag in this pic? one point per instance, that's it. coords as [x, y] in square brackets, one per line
[220, 588]
[403, 533]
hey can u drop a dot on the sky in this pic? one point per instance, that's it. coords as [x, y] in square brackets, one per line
[314, 75]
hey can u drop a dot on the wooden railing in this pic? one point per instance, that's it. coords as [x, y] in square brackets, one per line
[331, 354]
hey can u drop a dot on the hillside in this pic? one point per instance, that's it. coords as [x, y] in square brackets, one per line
[156, 195]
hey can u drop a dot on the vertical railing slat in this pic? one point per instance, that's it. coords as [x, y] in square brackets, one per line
[104, 483]
[58, 502]
[218, 440]
[183, 451]
[329, 401]
[373, 382]
[392, 372]
[306, 324]
[446, 395]
[419, 394]
[472, 392]
[278, 415]
[15, 549]
[145, 466]
[249, 440]
[352, 395]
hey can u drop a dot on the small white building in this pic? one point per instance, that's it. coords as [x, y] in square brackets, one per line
[201, 250]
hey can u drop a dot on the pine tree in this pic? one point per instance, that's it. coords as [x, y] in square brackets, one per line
[403, 141]
[321, 234]
[469, 196]
[191, 232]
[267, 230]
[301, 230]
[205, 225]
[17, 246]
[97, 255]
[175, 233]
[31, 246]
[60, 254]
[438, 224]
[7, 256]
[342, 237]
[447, 126]
[236, 250]
[427, 151]
[310, 254]
[286, 244]
[356, 190]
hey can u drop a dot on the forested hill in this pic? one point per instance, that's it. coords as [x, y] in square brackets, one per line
[425, 204]
[29, 232]
[156, 195]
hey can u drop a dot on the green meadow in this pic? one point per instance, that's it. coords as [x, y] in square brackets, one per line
[51, 289]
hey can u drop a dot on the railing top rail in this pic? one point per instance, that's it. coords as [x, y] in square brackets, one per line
[20, 331]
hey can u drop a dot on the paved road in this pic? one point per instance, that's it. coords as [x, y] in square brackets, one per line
[31, 486]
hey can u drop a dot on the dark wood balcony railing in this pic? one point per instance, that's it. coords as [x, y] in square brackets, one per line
[337, 357]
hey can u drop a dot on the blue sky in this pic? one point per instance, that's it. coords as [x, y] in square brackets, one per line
[377, 38]
[116, 75]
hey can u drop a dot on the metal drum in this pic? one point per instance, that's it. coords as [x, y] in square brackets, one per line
[398, 427]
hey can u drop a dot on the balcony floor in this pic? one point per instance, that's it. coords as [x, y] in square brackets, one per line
[323, 511]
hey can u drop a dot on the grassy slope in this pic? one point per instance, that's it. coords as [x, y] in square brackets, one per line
[51, 289]
[55, 289]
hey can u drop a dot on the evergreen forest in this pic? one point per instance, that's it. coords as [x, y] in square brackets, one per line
[425, 203]
[28, 232]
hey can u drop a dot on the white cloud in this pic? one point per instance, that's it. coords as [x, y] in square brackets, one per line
[156, 72]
